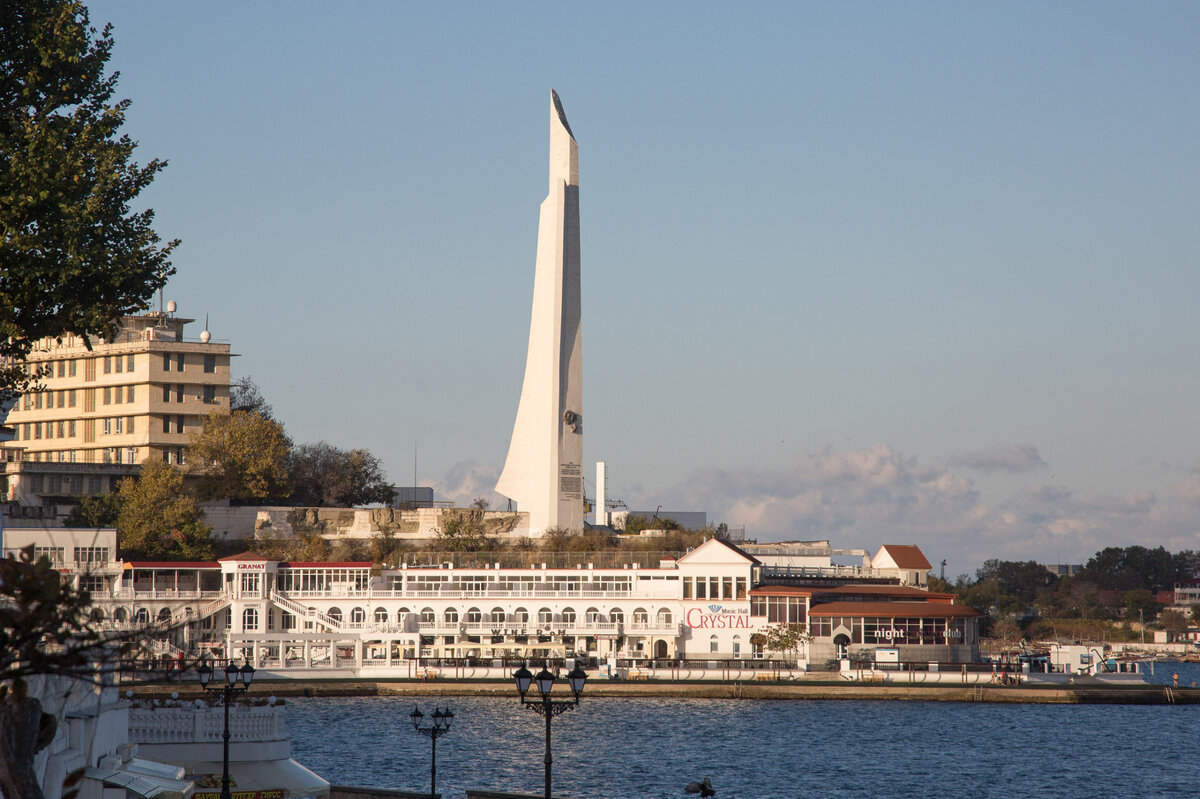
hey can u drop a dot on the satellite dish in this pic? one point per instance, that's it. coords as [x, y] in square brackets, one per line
[171, 306]
[205, 336]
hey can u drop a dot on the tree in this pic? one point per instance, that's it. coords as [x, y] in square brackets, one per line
[1173, 621]
[462, 531]
[159, 520]
[244, 395]
[785, 638]
[325, 476]
[102, 510]
[46, 628]
[74, 256]
[240, 455]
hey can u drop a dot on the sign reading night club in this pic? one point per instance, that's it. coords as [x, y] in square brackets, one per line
[718, 617]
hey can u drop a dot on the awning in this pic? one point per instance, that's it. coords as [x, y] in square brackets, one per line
[144, 785]
[263, 779]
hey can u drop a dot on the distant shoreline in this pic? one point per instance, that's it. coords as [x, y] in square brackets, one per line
[1141, 694]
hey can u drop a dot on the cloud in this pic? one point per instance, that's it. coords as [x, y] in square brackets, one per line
[1012, 460]
[469, 480]
[866, 498]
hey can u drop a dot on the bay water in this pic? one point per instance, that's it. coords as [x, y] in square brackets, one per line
[617, 748]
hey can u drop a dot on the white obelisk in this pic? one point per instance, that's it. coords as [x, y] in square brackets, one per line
[544, 469]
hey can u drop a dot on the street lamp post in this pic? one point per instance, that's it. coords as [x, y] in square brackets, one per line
[442, 719]
[546, 707]
[233, 676]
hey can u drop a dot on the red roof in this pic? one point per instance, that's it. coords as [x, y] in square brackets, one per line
[908, 556]
[780, 590]
[244, 556]
[171, 564]
[886, 590]
[338, 564]
[924, 610]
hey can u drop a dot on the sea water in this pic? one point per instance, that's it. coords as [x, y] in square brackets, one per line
[617, 748]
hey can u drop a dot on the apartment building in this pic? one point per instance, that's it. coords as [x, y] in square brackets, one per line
[104, 411]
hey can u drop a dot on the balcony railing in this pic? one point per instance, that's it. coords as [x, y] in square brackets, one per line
[189, 724]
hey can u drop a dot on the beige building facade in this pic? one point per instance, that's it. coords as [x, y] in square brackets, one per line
[102, 412]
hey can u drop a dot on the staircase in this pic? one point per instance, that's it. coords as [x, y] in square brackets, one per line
[305, 612]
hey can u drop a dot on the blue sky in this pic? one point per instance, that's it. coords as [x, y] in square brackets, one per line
[874, 272]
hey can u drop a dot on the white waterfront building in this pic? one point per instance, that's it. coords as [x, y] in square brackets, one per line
[696, 615]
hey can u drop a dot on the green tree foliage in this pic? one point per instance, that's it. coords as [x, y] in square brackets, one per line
[159, 520]
[784, 638]
[1127, 568]
[46, 628]
[74, 256]
[634, 525]
[325, 476]
[102, 510]
[1172, 621]
[241, 456]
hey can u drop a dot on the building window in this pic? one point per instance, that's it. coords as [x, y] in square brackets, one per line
[166, 424]
[119, 364]
[166, 361]
[179, 393]
[545, 617]
[474, 616]
[568, 616]
[179, 423]
[129, 362]
[179, 362]
[108, 395]
[91, 554]
[451, 616]
[357, 615]
[131, 455]
[381, 616]
[107, 365]
[129, 423]
[166, 392]
[93, 485]
[62, 398]
[71, 398]
[737, 646]
[129, 393]
[210, 363]
[335, 614]
[119, 425]
[286, 621]
[62, 368]
[428, 616]
[71, 369]
[210, 395]
[179, 455]
[497, 616]
[251, 581]
[250, 619]
[107, 427]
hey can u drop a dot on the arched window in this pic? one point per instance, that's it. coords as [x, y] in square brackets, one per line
[568, 615]
[402, 611]
[497, 616]
[641, 617]
[381, 616]
[358, 616]
[474, 616]
[591, 615]
[121, 616]
[451, 615]
[428, 616]
[616, 616]
[250, 619]
[335, 614]
[164, 614]
[99, 614]
[545, 617]
[141, 616]
[737, 646]
[520, 616]
[712, 644]
[664, 617]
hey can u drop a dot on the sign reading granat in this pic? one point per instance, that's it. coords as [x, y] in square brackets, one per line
[718, 617]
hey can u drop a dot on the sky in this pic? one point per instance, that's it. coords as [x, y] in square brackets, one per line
[867, 272]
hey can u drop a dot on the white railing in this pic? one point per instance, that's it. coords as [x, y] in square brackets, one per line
[820, 571]
[201, 725]
[305, 612]
[485, 594]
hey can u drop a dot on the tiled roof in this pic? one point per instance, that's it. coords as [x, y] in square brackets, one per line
[244, 556]
[925, 610]
[171, 564]
[333, 564]
[908, 556]
[885, 590]
[780, 590]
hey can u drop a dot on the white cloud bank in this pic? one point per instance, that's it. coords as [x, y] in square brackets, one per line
[866, 498]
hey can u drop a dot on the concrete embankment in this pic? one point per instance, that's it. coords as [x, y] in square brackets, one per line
[1092, 693]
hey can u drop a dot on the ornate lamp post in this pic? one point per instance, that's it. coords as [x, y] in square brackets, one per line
[233, 675]
[442, 719]
[546, 707]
